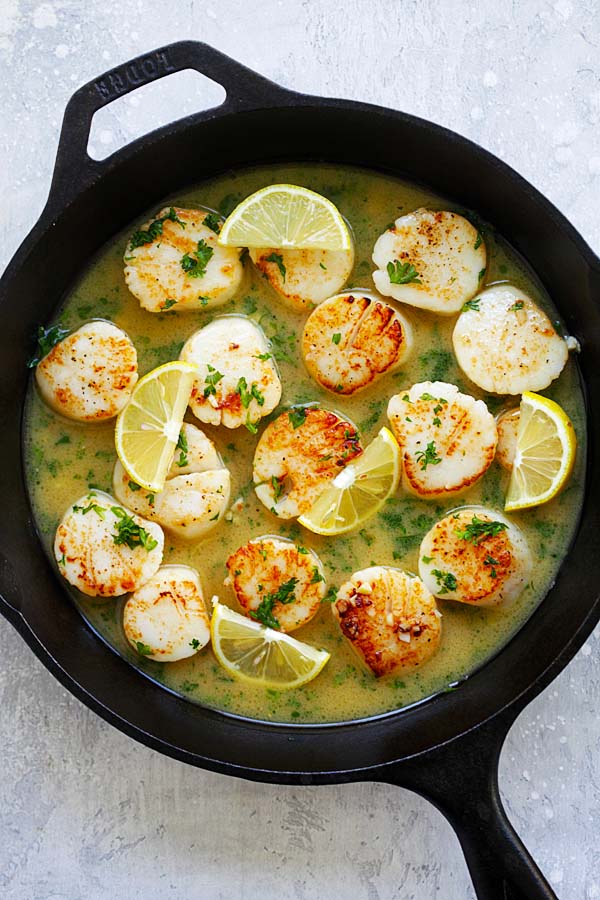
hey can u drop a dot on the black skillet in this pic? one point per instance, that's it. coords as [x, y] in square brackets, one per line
[446, 748]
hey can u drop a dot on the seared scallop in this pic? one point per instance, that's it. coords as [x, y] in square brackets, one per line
[104, 550]
[353, 339]
[298, 454]
[166, 618]
[174, 262]
[196, 493]
[277, 582]
[430, 259]
[90, 374]
[447, 439]
[237, 382]
[389, 617]
[475, 555]
[508, 429]
[506, 345]
[304, 278]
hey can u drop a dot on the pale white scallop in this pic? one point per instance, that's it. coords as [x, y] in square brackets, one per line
[304, 278]
[446, 252]
[481, 571]
[166, 619]
[156, 276]
[238, 382]
[354, 338]
[89, 558]
[447, 439]
[90, 374]
[191, 505]
[507, 344]
[389, 617]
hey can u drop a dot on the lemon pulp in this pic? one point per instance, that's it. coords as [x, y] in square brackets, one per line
[147, 429]
[286, 216]
[546, 446]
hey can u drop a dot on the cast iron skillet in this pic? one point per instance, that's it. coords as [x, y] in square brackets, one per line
[446, 748]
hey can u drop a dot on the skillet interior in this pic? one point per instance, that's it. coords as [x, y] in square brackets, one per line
[60, 247]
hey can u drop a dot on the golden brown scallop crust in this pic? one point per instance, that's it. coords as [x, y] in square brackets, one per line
[298, 453]
[351, 340]
[263, 565]
[389, 617]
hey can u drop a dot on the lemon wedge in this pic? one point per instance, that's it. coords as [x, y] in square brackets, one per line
[359, 490]
[148, 428]
[286, 216]
[263, 656]
[545, 453]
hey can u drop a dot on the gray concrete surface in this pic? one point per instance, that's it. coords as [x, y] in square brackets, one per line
[86, 813]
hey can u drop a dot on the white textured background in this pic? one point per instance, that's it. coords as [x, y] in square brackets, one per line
[86, 813]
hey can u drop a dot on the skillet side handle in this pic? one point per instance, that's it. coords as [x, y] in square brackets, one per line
[461, 780]
[245, 89]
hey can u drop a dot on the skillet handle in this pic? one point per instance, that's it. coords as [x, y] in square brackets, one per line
[461, 780]
[245, 89]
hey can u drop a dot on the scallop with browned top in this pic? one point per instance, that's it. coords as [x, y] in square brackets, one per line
[304, 278]
[390, 618]
[353, 339]
[298, 454]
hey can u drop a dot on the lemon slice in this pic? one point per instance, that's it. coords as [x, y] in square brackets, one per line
[359, 490]
[266, 657]
[148, 427]
[545, 453]
[286, 216]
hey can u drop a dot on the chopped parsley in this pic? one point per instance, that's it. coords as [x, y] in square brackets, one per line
[479, 529]
[154, 230]
[437, 422]
[195, 264]
[330, 596]
[195, 644]
[143, 649]
[63, 439]
[264, 612]
[247, 395]
[481, 274]
[277, 258]
[211, 381]
[428, 457]
[323, 266]
[133, 486]
[471, 304]
[213, 221]
[263, 356]
[204, 301]
[297, 416]
[47, 338]
[316, 576]
[490, 561]
[99, 510]
[277, 486]
[130, 533]
[446, 581]
[427, 559]
[519, 304]
[336, 338]
[478, 241]
[182, 446]
[302, 550]
[402, 273]
[169, 303]
[150, 499]
[250, 425]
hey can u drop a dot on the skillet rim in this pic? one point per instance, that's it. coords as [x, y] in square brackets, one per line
[519, 698]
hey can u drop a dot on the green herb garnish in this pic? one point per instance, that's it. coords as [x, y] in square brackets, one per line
[154, 230]
[478, 241]
[130, 533]
[143, 649]
[446, 580]
[277, 486]
[264, 612]
[336, 338]
[316, 576]
[182, 445]
[297, 416]
[133, 486]
[479, 529]
[471, 304]
[402, 273]
[246, 395]
[195, 265]
[211, 381]
[277, 258]
[213, 221]
[519, 304]
[194, 643]
[428, 457]
[47, 338]
[169, 303]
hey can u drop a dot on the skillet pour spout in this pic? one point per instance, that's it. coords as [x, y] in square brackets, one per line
[446, 748]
